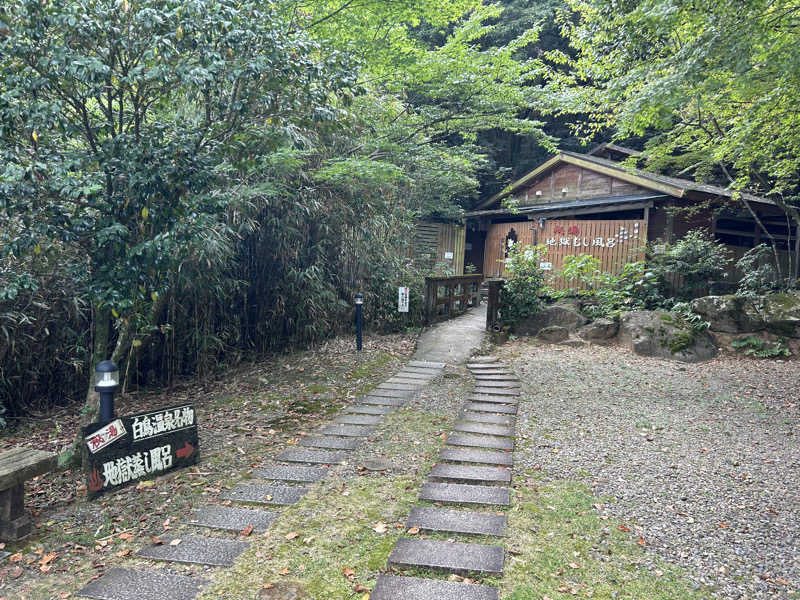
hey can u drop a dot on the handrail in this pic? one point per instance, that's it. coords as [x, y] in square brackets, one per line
[461, 292]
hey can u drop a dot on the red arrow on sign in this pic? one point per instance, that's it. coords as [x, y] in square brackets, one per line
[185, 452]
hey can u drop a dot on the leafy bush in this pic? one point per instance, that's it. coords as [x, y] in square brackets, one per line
[697, 258]
[759, 275]
[584, 268]
[519, 297]
[753, 346]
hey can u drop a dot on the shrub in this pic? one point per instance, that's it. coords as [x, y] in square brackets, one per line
[519, 297]
[759, 275]
[697, 258]
[753, 346]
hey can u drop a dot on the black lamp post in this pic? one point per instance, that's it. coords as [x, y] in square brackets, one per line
[359, 298]
[106, 382]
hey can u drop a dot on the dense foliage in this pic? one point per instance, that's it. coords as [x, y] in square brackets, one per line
[520, 295]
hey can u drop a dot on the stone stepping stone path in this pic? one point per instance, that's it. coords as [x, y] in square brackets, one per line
[468, 455]
[413, 588]
[484, 428]
[480, 441]
[260, 493]
[333, 443]
[457, 521]
[318, 457]
[453, 557]
[126, 584]
[486, 421]
[482, 417]
[461, 493]
[291, 473]
[232, 519]
[192, 549]
[470, 473]
[347, 432]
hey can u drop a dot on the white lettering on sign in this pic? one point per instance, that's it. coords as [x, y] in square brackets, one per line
[402, 299]
[546, 266]
[162, 421]
[103, 437]
[134, 466]
[448, 256]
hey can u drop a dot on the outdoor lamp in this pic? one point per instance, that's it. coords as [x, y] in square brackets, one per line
[359, 299]
[106, 382]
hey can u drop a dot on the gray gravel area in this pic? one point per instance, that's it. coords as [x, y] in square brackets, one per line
[700, 460]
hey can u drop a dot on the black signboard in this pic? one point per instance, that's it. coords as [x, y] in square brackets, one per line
[139, 447]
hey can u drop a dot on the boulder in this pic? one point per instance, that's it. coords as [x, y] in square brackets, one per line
[665, 335]
[553, 334]
[559, 315]
[729, 314]
[781, 313]
[599, 330]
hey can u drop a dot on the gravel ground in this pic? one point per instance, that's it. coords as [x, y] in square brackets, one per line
[701, 461]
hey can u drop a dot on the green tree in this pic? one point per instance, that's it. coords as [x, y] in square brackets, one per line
[119, 121]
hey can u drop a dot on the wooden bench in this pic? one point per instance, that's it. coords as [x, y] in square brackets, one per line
[16, 467]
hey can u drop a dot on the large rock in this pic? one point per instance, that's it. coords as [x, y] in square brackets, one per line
[729, 314]
[781, 314]
[553, 334]
[558, 315]
[599, 330]
[665, 335]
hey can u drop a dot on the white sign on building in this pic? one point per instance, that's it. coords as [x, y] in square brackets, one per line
[402, 299]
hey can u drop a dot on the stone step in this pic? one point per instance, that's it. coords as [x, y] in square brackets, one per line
[368, 409]
[484, 428]
[511, 385]
[393, 587]
[400, 387]
[262, 493]
[479, 441]
[232, 519]
[333, 443]
[407, 381]
[426, 365]
[480, 360]
[423, 371]
[358, 420]
[486, 457]
[468, 473]
[457, 521]
[462, 493]
[492, 372]
[453, 557]
[492, 398]
[482, 417]
[125, 584]
[496, 391]
[485, 366]
[217, 552]
[508, 409]
[315, 457]
[379, 392]
[347, 431]
[415, 375]
[481, 377]
[291, 473]
[377, 400]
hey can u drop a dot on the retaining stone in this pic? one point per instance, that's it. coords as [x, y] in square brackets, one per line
[318, 457]
[484, 428]
[392, 587]
[296, 474]
[232, 519]
[479, 360]
[462, 493]
[457, 521]
[467, 473]
[193, 549]
[487, 457]
[479, 441]
[261, 493]
[447, 556]
[334, 443]
[125, 584]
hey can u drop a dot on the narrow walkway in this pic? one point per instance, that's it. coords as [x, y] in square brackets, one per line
[297, 469]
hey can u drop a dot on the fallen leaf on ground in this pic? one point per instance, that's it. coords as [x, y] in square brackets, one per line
[284, 572]
[247, 530]
[175, 542]
[413, 531]
[380, 527]
[292, 535]
[349, 573]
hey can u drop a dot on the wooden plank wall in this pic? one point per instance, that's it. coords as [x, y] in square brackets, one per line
[580, 183]
[433, 239]
[614, 242]
[452, 239]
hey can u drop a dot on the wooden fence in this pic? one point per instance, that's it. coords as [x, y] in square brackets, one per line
[447, 297]
[613, 242]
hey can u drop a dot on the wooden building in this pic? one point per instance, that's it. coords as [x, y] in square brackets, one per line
[438, 247]
[593, 204]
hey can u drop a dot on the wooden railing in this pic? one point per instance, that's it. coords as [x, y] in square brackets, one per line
[447, 297]
[493, 304]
